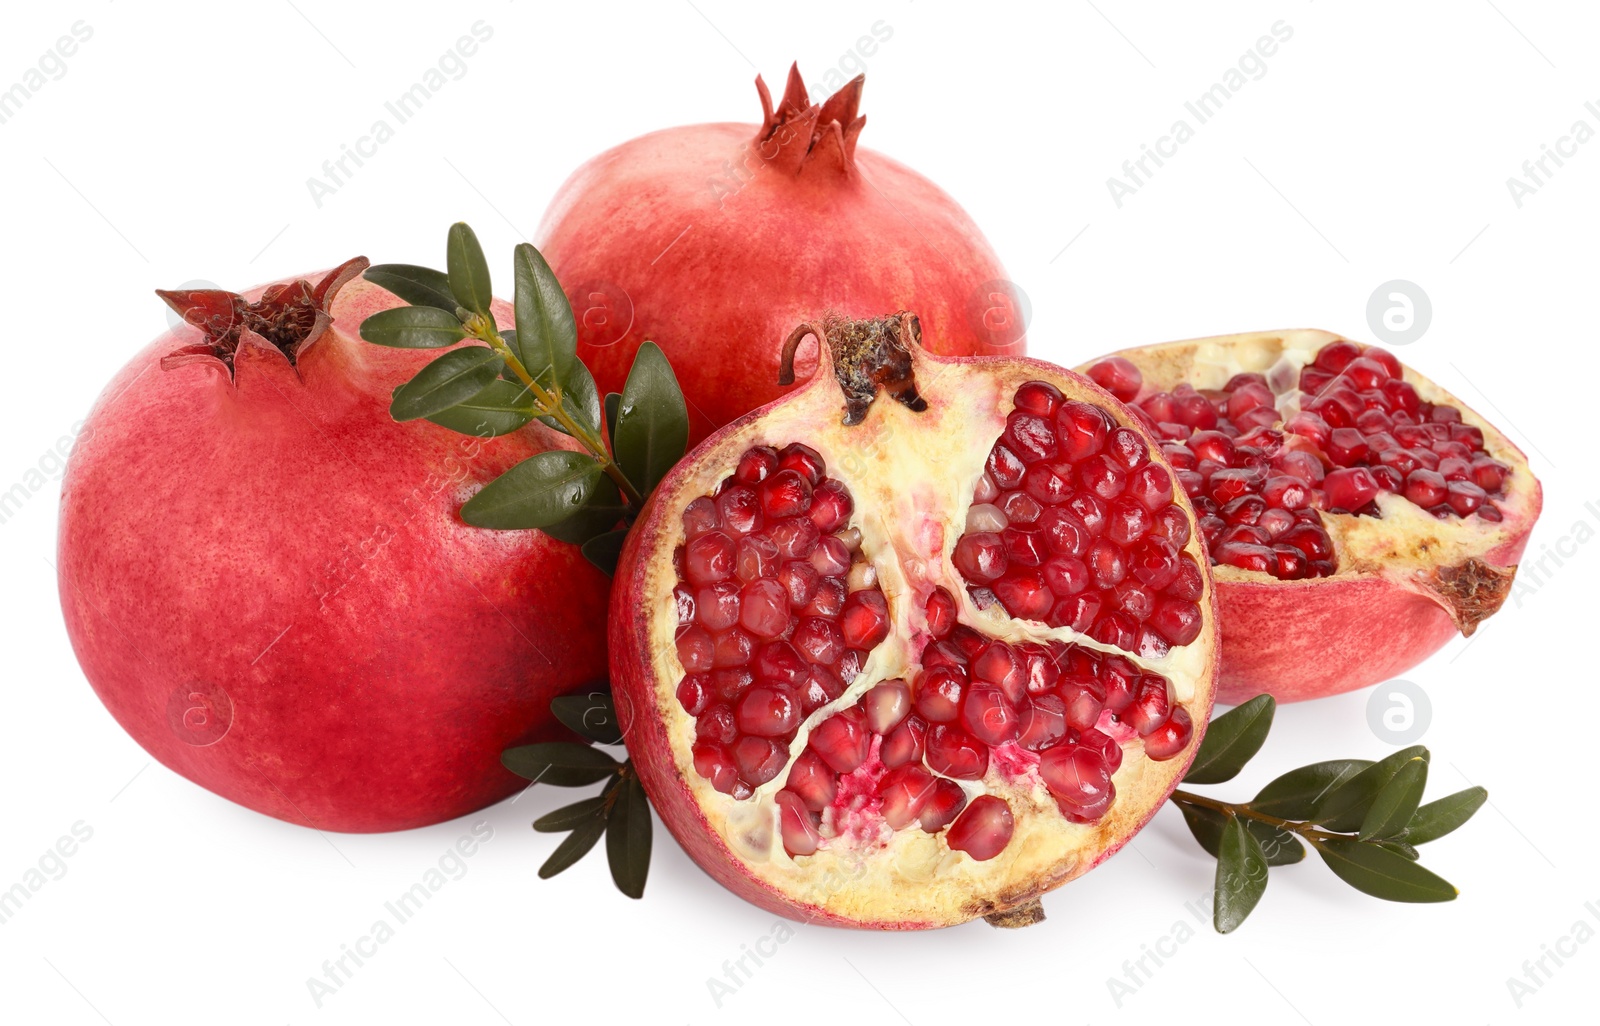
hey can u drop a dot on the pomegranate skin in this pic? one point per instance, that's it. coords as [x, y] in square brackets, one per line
[714, 245]
[268, 586]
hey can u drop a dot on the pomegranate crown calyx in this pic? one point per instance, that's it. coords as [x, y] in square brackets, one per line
[289, 316]
[798, 135]
[867, 355]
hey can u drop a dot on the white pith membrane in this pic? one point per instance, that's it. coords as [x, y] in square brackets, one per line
[911, 476]
[1406, 542]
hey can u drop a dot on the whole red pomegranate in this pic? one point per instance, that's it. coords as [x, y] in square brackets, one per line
[266, 582]
[1358, 515]
[922, 661]
[714, 240]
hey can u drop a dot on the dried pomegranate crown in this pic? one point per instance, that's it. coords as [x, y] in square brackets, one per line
[799, 134]
[924, 661]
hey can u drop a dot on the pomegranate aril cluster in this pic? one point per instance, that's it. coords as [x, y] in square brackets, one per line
[1071, 524]
[777, 611]
[1258, 482]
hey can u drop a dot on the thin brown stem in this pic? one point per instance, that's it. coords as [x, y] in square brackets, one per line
[1307, 830]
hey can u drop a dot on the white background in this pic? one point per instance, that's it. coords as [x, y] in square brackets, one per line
[177, 146]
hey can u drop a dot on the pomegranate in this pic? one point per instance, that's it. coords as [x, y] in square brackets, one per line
[855, 659]
[1356, 514]
[265, 580]
[714, 240]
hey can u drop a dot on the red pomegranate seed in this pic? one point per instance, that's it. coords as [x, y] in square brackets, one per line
[713, 762]
[1117, 375]
[1150, 707]
[1426, 488]
[983, 830]
[820, 687]
[1465, 497]
[818, 640]
[717, 605]
[757, 462]
[785, 494]
[981, 557]
[709, 558]
[842, 740]
[1349, 489]
[699, 517]
[939, 694]
[759, 759]
[799, 582]
[799, 833]
[903, 791]
[757, 557]
[1049, 484]
[764, 608]
[697, 649]
[803, 460]
[1024, 546]
[865, 620]
[1075, 774]
[831, 506]
[1118, 629]
[812, 780]
[732, 648]
[740, 509]
[716, 725]
[1003, 666]
[829, 599]
[906, 743]
[940, 612]
[1134, 599]
[1044, 722]
[1170, 737]
[1021, 508]
[830, 558]
[768, 710]
[1110, 751]
[694, 694]
[952, 752]
[1030, 437]
[944, 802]
[778, 662]
[1005, 467]
[795, 538]
[1039, 398]
[886, 705]
[1081, 430]
[988, 715]
[1082, 698]
[1102, 477]
[1023, 593]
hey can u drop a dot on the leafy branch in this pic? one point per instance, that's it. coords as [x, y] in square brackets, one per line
[620, 812]
[531, 372]
[1365, 819]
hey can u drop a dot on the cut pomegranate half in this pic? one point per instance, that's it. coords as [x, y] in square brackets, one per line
[1357, 515]
[922, 662]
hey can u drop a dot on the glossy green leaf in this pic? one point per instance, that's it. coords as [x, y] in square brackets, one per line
[628, 831]
[499, 409]
[1241, 876]
[542, 490]
[1295, 794]
[1381, 873]
[580, 398]
[570, 817]
[576, 845]
[1232, 740]
[1346, 806]
[1280, 847]
[1438, 818]
[1399, 848]
[547, 337]
[468, 270]
[613, 404]
[419, 286]
[413, 327]
[562, 763]
[1392, 810]
[601, 512]
[591, 714]
[603, 550]
[448, 381]
[652, 420]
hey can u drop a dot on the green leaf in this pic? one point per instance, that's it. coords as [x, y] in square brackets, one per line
[1399, 848]
[1346, 807]
[1396, 803]
[1241, 876]
[542, 490]
[419, 286]
[1295, 794]
[600, 513]
[613, 404]
[562, 763]
[1231, 741]
[570, 817]
[413, 327]
[603, 550]
[628, 838]
[1438, 818]
[575, 847]
[468, 270]
[451, 379]
[499, 409]
[591, 714]
[1279, 846]
[652, 421]
[1381, 873]
[580, 398]
[547, 338]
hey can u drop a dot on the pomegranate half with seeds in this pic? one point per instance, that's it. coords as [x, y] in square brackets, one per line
[922, 661]
[1356, 514]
